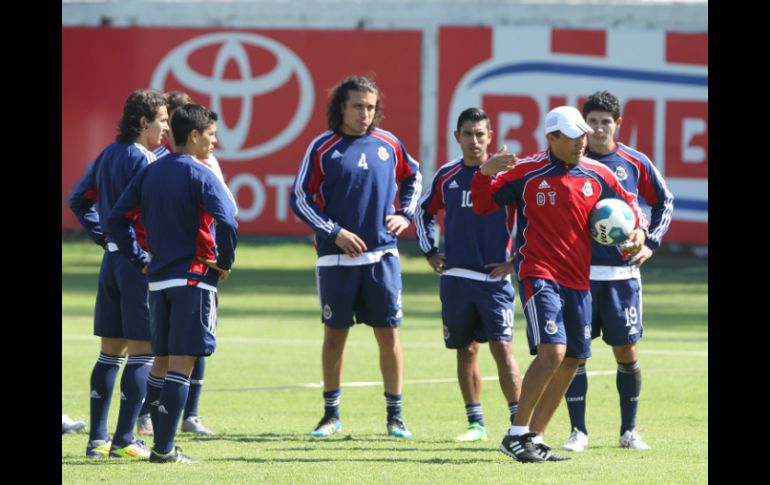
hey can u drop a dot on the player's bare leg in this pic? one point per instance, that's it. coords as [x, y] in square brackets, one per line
[539, 374]
[468, 373]
[332, 356]
[552, 396]
[508, 372]
[469, 378]
[392, 368]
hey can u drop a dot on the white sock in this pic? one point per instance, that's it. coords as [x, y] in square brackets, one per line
[517, 430]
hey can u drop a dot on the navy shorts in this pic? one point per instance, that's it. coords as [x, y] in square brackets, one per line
[184, 321]
[121, 309]
[557, 315]
[475, 311]
[617, 311]
[370, 292]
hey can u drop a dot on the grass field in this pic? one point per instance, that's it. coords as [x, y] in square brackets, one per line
[262, 387]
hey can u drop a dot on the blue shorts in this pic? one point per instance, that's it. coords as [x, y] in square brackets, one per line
[475, 310]
[371, 292]
[557, 315]
[184, 321]
[121, 309]
[617, 311]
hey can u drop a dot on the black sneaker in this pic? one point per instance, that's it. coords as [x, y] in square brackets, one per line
[544, 451]
[174, 456]
[521, 448]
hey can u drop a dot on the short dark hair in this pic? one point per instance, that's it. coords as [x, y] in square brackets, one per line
[473, 114]
[142, 102]
[602, 101]
[339, 95]
[190, 117]
[175, 99]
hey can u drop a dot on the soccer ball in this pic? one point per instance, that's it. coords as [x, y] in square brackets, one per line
[611, 222]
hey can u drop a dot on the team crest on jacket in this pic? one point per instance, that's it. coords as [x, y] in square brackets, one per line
[550, 327]
[588, 190]
[620, 173]
[383, 153]
[327, 312]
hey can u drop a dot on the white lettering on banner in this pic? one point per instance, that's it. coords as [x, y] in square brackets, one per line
[692, 127]
[510, 122]
[282, 184]
[248, 181]
[258, 191]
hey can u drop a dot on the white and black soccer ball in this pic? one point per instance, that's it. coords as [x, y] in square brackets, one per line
[611, 222]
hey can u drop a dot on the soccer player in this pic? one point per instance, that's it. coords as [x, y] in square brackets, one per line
[616, 289]
[553, 192]
[476, 292]
[191, 239]
[121, 317]
[191, 421]
[344, 191]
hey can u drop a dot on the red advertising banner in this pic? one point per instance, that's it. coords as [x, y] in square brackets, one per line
[268, 86]
[517, 74]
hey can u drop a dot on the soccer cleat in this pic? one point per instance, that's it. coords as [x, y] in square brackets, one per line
[174, 456]
[193, 425]
[521, 448]
[577, 442]
[70, 426]
[544, 451]
[631, 439]
[397, 428]
[326, 427]
[98, 448]
[144, 425]
[475, 432]
[135, 449]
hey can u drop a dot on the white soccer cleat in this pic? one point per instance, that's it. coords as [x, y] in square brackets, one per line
[193, 424]
[577, 442]
[631, 439]
[70, 426]
[144, 425]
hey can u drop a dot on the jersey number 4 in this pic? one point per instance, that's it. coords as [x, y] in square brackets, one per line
[362, 162]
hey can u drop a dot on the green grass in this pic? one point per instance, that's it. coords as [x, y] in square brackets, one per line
[270, 341]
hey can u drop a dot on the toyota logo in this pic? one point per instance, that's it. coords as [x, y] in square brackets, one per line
[233, 47]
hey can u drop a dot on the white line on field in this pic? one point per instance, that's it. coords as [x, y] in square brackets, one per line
[318, 342]
[319, 385]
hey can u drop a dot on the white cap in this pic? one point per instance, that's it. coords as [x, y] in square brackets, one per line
[568, 120]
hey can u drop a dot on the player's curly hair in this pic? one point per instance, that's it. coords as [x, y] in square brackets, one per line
[142, 102]
[602, 101]
[339, 94]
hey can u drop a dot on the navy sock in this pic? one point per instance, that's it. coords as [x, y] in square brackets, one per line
[102, 383]
[172, 399]
[576, 399]
[393, 405]
[133, 389]
[196, 386]
[474, 413]
[332, 404]
[629, 384]
[154, 386]
[145, 406]
[513, 408]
